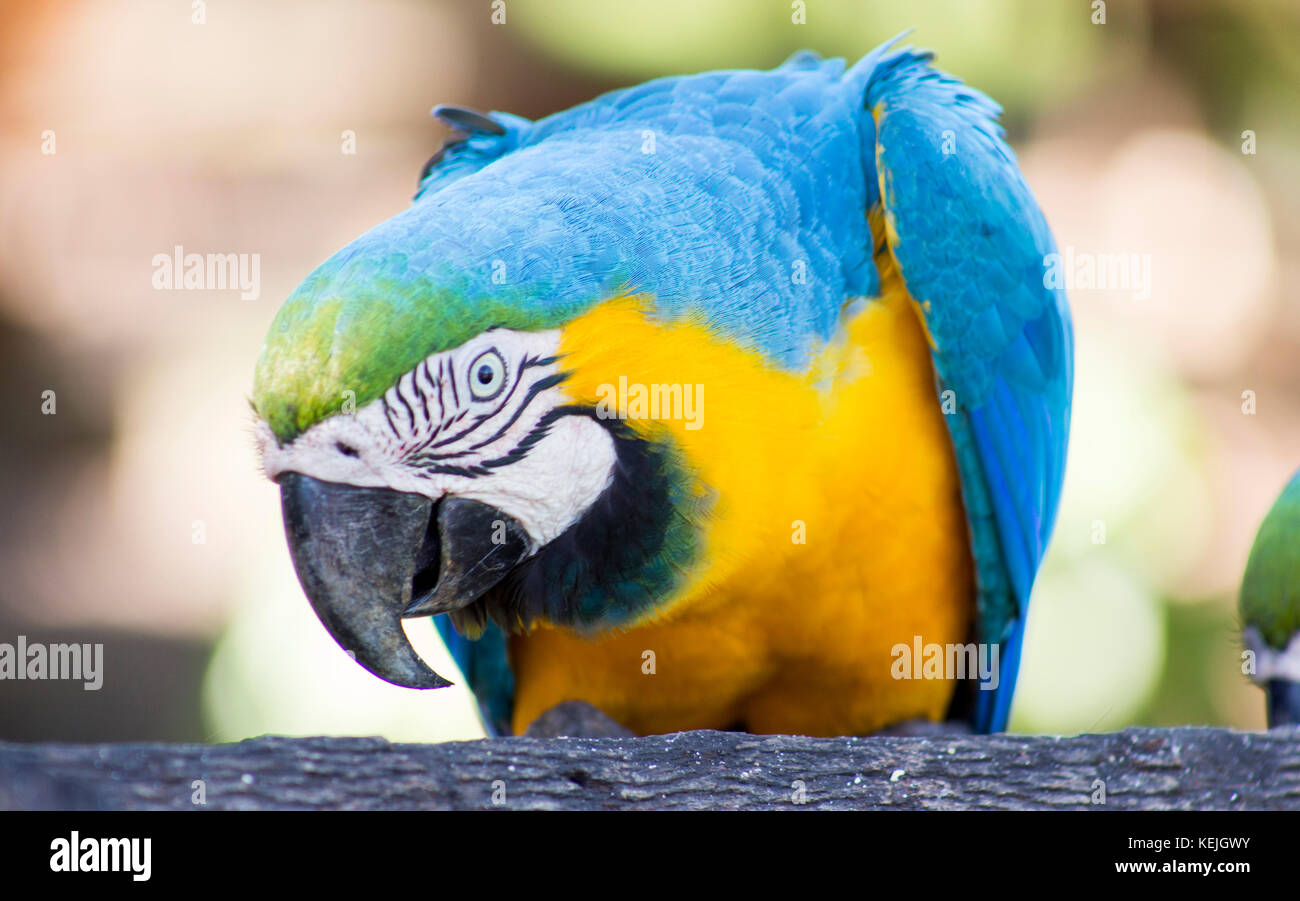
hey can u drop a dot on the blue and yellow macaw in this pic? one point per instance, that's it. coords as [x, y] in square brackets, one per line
[701, 403]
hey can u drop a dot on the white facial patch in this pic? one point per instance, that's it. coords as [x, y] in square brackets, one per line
[478, 422]
[1270, 663]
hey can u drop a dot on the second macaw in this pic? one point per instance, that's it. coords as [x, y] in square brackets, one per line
[706, 403]
[1269, 607]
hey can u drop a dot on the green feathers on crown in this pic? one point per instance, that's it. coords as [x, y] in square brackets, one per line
[357, 324]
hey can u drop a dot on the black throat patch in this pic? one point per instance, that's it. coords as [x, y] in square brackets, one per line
[626, 554]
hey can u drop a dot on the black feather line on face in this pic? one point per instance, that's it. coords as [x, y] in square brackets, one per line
[388, 414]
[514, 455]
[410, 413]
[535, 389]
[425, 456]
[423, 368]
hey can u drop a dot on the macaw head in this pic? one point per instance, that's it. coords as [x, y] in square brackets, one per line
[421, 404]
[1269, 605]
[432, 458]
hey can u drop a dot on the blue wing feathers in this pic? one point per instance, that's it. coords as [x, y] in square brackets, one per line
[486, 667]
[970, 243]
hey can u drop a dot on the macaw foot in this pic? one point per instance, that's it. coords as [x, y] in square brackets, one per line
[921, 728]
[576, 719]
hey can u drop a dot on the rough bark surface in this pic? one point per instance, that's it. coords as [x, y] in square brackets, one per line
[1182, 768]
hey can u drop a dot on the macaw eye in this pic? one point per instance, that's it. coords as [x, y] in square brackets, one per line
[487, 375]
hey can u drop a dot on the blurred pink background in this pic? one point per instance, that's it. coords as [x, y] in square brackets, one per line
[136, 515]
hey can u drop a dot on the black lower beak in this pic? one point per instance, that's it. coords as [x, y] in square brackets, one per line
[1283, 701]
[479, 545]
[362, 554]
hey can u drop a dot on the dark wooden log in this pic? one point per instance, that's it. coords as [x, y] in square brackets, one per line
[1182, 768]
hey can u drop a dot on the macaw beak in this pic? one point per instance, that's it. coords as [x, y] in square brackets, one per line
[1283, 702]
[368, 557]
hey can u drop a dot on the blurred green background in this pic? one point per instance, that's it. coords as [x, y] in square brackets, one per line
[137, 516]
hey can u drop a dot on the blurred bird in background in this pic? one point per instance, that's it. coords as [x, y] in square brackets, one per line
[1269, 604]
